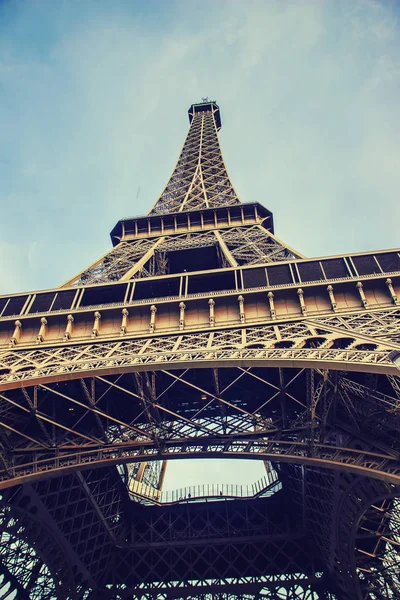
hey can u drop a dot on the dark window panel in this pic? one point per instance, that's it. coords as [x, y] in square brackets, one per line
[103, 295]
[181, 220]
[3, 302]
[253, 278]
[129, 227]
[310, 271]
[15, 306]
[279, 275]
[195, 220]
[64, 300]
[193, 259]
[156, 289]
[335, 268]
[248, 211]
[389, 261]
[42, 303]
[365, 265]
[212, 282]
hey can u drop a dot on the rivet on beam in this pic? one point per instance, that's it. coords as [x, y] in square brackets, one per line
[303, 307]
[124, 323]
[182, 307]
[391, 290]
[271, 305]
[16, 334]
[241, 309]
[153, 310]
[362, 295]
[68, 330]
[332, 298]
[211, 304]
[96, 324]
[42, 331]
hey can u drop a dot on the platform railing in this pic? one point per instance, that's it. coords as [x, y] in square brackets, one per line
[266, 486]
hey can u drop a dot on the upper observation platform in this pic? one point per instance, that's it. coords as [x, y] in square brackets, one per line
[206, 105]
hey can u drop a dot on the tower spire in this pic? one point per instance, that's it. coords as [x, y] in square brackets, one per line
[199, 200]
[200, 178]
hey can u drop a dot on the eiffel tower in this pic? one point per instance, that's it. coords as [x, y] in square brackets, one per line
[201, 334]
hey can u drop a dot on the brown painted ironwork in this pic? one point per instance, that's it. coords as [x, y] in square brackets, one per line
[201, 334]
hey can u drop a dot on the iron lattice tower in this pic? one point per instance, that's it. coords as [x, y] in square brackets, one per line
[201, 334]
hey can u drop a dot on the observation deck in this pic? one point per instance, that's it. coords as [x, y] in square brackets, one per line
[206, 106]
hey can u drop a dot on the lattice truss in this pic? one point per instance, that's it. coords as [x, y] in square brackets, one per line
[252, 245]
[355, 524]
[378, 550]
[273, 588]
[116, 263]
[382, 324]
[313, 491]
[32, 565]
[21, 567]
[200, 178]
[355, 338]
[305, 415]
[251, 550]
[368, 529]
[246, 245]
[41, 525]
[290, 413]
[162, 552]
[162, 424]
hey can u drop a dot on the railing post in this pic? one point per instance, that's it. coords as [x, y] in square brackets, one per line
[68, 329]
[332, 297]
[359, 286]
[96, 324]
[391, 291]
[42, 330]
[271, 305]
[303, 307]
[152, 325]
[16, 334]
[182, 307]
[124, 322]
[211, 305]
[241, 309]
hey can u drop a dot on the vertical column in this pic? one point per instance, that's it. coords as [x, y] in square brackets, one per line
[362, 295]
[271, 305]
[391, 291]
[153, 311]
[16, 334]
[96, 324]
[124, 322]
[332, 297]
[241, 309]
[68, 329]
[42, 330]
[303, 307]
[211, 305]
[182, 307]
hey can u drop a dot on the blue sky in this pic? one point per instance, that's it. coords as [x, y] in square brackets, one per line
[93, 101]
